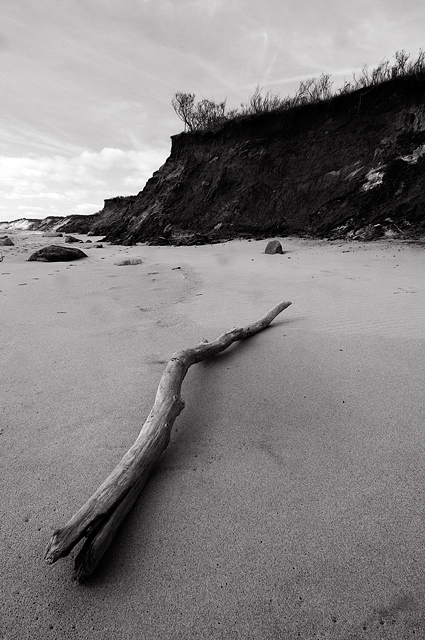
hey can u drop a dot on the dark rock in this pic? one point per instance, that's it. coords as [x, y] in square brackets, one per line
[71, 239]
[52, 234]
[129, 261]
[6, 242]
[369, 232]
[55, 253]
[273, 247]
[89, 241]
[167, 232]
[77, 223]
[159, 241]
[182, 237]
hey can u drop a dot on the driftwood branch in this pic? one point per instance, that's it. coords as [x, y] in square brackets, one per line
[99, 518]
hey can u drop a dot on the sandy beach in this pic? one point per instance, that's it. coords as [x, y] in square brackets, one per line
[290, 501]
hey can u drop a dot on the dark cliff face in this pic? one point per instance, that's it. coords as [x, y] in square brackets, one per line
[326, 169]
[77, 223]
[69, 224]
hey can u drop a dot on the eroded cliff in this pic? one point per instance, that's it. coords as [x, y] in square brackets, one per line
[326, 169]
[352, 165]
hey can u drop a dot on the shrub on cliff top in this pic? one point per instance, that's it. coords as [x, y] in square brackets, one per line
[207, 115]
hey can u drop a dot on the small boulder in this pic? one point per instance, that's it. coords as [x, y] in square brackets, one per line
[52, 234]
[273, 247]
[55, 253]
[71, 239]
[129, 261]
[5, 241]
[369, 232]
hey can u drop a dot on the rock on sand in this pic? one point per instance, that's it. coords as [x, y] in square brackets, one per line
[273, 247]
[5, 241]
[55, 253]
[71, 239]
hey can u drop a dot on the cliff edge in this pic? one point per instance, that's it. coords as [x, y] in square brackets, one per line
[351, 166]
[326, 169]
[329, 169]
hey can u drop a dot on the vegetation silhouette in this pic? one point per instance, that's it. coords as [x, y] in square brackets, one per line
[208, 115]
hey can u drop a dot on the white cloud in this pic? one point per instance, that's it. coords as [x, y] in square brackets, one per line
[80, 78]
[76, 184]
[24, 207]
[86, 208]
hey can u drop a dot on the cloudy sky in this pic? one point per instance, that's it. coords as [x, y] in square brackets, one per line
[86, 85]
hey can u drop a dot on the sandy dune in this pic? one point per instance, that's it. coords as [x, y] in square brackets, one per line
[290, 501]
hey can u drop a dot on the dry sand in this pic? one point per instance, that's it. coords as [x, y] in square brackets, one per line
[290, 502]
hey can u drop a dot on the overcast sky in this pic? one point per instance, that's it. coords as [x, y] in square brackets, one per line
[86, 85]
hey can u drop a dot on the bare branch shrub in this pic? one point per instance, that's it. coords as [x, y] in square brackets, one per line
[184, 106]
[403, 66]
[314, 90]
[259, 103]
[417, 67]
[205, 114]
[210, 115]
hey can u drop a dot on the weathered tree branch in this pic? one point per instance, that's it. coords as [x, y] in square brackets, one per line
[99, 518]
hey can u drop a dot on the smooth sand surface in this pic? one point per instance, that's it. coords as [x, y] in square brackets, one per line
[290, 502]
